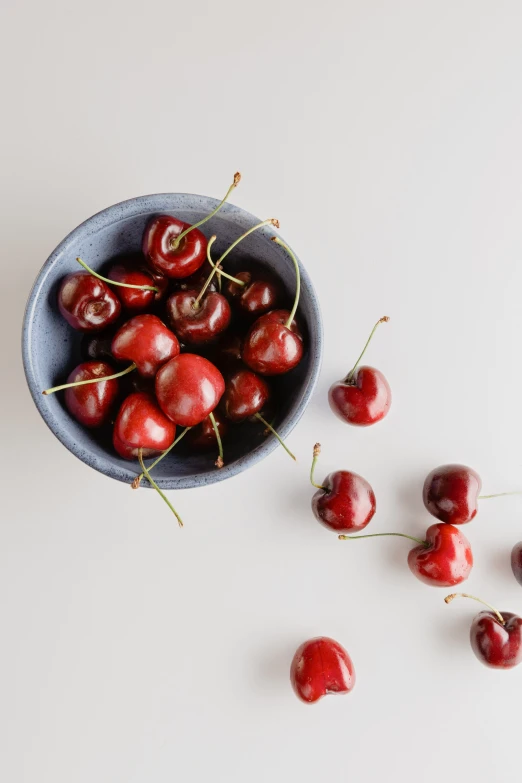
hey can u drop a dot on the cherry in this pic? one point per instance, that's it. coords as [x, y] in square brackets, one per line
[91, 404]
[134, 300]
[141, 424]
[254, 296]
[516, 562]
[496, 638]
[146, 341]
[94, 379]
[320, 667]
[175, 248]
[344, 502]
[451, 493]
[364, 396]
[443, 559]
[97, 346]
[188, 389]
[245, 395]
[226, 354]
[203, 436]
[273, 345]
[86, 303]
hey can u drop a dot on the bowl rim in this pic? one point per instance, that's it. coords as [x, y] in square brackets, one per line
[122, 210]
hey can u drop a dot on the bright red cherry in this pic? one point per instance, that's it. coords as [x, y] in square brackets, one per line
[344, 501]
[146, 341]
[320, 667]
[255, 296]
[134, 300]
[496, 638]
[188, 389]
[451, 493]
[141, 424]
[198, 322]
[516, 562]
[87, 303]
[245, 395]
[273, 345]
[91, 404]
[442, 559]
[364, 396]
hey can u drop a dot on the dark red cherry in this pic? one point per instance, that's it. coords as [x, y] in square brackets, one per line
[245, 395]
[256, 297]
[451, 493]
[141, 424]
[271, 347]
[86, 303]
[188, 388]
[345, 503]
[198, 322]
[203, 436]
[226, 354]
[146, 341]
[516, 562]
[162, 252]
[92, 403]
[363, 400]
[132, 299]
[97, 346]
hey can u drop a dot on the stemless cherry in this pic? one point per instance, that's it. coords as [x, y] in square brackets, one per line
[364, 396]
[141, 424]
[86, 303]
[188, 389]
[146, 341]
[175, 248]
[321, 666]
[91, 404]
[516, 562]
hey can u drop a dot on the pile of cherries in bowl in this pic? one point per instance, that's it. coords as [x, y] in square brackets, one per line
[174, 347]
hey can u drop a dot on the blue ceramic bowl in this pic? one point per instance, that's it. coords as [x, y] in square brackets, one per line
[51, 349]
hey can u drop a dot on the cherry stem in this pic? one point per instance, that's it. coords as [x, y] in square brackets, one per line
[449, 599]
[135, 484]
[54, 389]
[217, 266]
[219, 462]
[211, 275]
[272, 430]
[498, 495]
[158, 490]
[115, 282]
[316, 452]
[175, 242]
[350, 375]
[377, 535]
[298, 280]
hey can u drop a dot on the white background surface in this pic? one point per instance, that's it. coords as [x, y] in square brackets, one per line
[386, 136]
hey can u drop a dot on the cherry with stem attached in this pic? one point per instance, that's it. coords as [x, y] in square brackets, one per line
[108, 280]
[175, 243]
[54, 389]
[136, 483]
[158, 490]
[363, 397]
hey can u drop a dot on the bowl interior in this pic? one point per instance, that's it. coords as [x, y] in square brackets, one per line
[52, 349]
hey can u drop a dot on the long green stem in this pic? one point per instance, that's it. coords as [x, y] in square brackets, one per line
[158, 490]
[135, 484]
[449, 599]
[54, 389]
[498, 495]
[220, 461]
[316, 452]
[211, 275]
[269, 221]
[221, 273]
[350, 375]
[298, 280]
[115, 282]
[377, 535]
[272, 430]
[175, 242]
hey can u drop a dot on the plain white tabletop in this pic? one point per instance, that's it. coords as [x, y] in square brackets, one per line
[386, 137]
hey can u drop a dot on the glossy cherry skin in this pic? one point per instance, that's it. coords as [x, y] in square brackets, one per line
[203, 436]
[446, 559]
[256, 297]
[516, 562]
[346, 504]
[157, 247]
[451, 493]
[495, 645]
[245, 395]
[146, 341]
[86, 303]
[364, 401]
[133, 300]
[270, 347]
[141, 424]
[91, 404]
[188, 388]
[321, 666]
[200, 324]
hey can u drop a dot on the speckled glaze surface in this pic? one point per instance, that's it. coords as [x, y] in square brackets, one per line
[51, 348]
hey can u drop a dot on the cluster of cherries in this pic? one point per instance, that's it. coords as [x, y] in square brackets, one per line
[345, 503]
[234, 320]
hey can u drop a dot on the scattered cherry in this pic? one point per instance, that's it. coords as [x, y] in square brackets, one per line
[516, 562]
[344, 501]
[146, 341]
[496, 638]
[86, 303]
[91, 404]
[188, 388]
[320, 667]
[364, 396]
